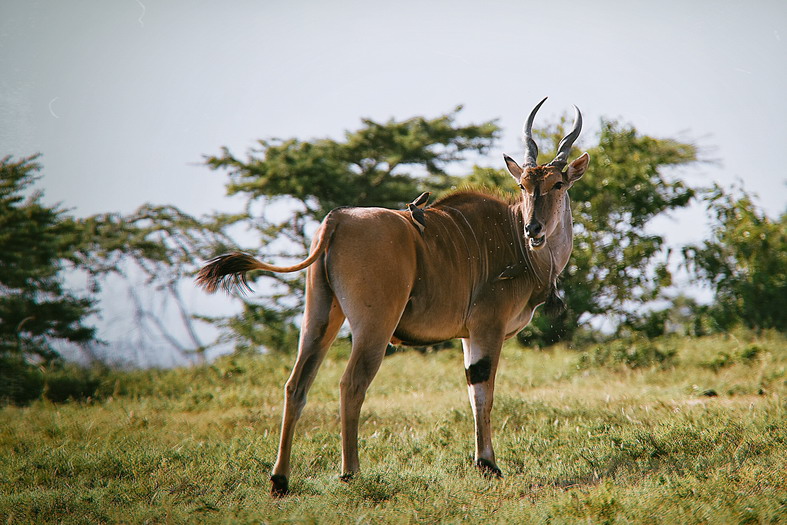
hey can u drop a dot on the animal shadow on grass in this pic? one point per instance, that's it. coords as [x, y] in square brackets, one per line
[609, 468]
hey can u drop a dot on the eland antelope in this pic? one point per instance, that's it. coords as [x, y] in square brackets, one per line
[476, 269]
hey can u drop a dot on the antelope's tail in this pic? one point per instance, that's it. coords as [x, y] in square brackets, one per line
[228, 271]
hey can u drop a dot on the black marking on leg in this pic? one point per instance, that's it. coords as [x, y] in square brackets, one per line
[479, 372]
[346, 478]
[488, 469]
[279, 486]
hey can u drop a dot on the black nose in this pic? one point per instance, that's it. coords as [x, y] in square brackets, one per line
[533, 229]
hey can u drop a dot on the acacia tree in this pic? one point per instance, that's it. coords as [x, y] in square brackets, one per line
[381, 164]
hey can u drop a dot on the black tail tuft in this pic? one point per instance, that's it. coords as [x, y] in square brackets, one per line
[228, 272]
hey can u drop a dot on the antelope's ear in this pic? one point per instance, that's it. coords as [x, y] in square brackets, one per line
[513, 168]
[577, 168]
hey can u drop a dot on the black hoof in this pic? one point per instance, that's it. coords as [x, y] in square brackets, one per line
[279, 486]
[488, 469]
[346, 478]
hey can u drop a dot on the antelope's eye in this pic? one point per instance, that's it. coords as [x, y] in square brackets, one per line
[558, 186]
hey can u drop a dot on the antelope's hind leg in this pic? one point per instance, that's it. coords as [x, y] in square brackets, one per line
[372, 323]
[365, 359]
[322, 319]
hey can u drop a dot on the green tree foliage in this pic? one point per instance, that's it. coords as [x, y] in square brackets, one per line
[381, 164]
[35, 308]
[35, 241]
[745, 263]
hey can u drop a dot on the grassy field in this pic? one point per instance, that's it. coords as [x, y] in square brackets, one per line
[673, 431]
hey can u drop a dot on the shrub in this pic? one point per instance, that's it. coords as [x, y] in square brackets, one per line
[629, 353]
[71, 383]
[745, 356]
[20, 382]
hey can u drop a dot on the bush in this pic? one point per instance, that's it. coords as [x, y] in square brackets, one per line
[745, 356]
[71, 383]
[634, 353]
[20, 382]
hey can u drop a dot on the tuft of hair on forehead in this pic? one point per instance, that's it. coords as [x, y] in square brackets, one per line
[538, 173]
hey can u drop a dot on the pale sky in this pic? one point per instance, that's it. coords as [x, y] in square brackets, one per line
[124, 97]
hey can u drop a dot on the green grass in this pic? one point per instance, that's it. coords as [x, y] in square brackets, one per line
[699, 437]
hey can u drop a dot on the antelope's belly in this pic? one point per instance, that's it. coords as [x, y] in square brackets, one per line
[423, 327]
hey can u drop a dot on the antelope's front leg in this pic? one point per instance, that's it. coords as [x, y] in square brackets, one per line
[481, 357]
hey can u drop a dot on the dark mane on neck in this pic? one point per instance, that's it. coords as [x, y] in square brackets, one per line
[470, 196]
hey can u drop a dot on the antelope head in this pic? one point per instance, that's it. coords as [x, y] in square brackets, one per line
[544, 197]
